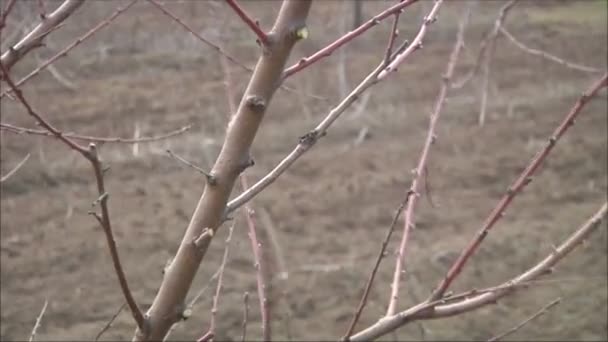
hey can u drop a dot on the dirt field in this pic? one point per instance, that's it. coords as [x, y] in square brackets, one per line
[330, 212]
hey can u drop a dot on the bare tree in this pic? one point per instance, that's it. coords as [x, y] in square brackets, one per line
[218, 202]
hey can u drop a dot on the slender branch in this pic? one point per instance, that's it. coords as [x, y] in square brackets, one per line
[35, 37]
[233, 158]
[109, 323]
[15, 169]
[38, 320]
[262, 37]
[251, 224]
[78, 41]
[522, 181]
[91, 155]
[391, 40]
[547, 55]
[489, 53]
[416, 43]
[245, 316]
[472, 300]
[218, 289]
[329, 49]
[206, 41]
[486, 43]
[539, 313]
[22, 130]
[207, 175]
[310, 138]
[306, 142]
[414, 191]
[372, 275]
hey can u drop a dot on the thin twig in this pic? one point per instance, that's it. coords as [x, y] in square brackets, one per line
[38, 320]
[91, 155]
[34, 38]
[485, 43]
[219, 49]
[547, 55]
[262, 37]
[310, 138]
[540, 312]
[218, 289]
[306, 142]
[15, 169]
[416, 43]
[520, 183]
[207, 175]
[79, 40]
[414, 191]
[472, 300]
[245, 316]
[329, 49]
[372, 275]
[488, 53]
[391, 40]
[109, 323]
[86, 138]
[251, 224]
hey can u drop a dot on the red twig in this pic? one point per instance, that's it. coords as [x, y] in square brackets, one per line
[262, 37]
[24, 130]
[79, 40]
[372, 275]
[416, 43]
[91, 155]
[524, 179]
[413, 193]
[329, 49]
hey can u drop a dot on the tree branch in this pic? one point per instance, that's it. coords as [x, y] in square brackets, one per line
[87, 138]
[232, 160]
[526, 321]
[36, 36]
[471, 300]
[329, 49]
[91, 155]
[79, 40]
[414, 191]
[547, 55]
[524, 179]
[262, 37]
[15, 169]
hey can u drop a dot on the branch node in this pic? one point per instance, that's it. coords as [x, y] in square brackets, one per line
[310, 138]
[256, 103]
[203, 239]
[300, 32]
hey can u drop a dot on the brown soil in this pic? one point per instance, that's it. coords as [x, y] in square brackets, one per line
[331, 210]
